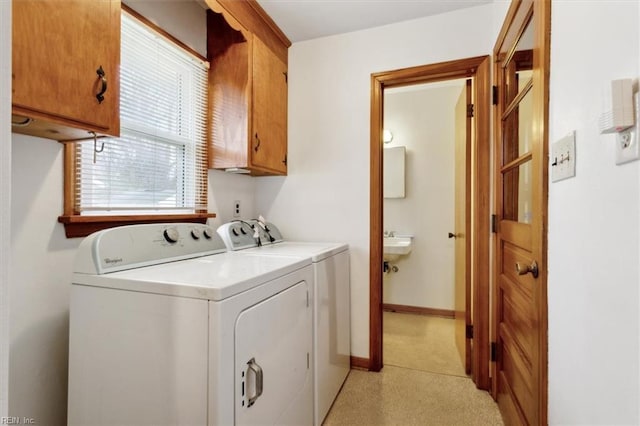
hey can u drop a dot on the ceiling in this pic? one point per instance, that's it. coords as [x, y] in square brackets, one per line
[307, 19]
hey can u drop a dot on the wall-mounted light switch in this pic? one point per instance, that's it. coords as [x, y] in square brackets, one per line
[563, 158]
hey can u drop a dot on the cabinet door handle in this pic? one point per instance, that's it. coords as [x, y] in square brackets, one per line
[285, 160]
[258, 144]
[102, 76]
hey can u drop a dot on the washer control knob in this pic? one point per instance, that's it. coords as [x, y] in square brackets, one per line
[171, 235]
[234, 231]
[243, 231]
[208, 233]
[195, 234]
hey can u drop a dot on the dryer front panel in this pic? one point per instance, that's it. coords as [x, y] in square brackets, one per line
[273, 347]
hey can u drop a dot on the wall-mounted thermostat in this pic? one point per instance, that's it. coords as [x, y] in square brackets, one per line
[618, 113]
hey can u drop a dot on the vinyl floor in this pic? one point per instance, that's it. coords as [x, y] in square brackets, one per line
[422, 382]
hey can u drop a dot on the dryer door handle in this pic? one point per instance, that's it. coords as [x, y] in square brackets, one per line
[257, 370]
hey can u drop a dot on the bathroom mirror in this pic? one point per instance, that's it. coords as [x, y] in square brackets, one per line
[393, 170]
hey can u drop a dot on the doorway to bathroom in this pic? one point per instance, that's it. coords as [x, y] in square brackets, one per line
[427, 130]
[469, 80]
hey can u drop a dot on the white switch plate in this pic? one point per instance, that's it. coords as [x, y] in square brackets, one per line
[236, 208]
[627, 141]
[563, 158]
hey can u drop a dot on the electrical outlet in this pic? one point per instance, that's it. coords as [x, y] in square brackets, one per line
[563, 158]
[236, 208]
[627, 141]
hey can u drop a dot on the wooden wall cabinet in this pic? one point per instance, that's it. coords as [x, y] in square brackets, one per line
[248, 93]
[59, 50]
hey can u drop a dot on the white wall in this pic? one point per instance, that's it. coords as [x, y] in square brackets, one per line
[42, 256]
[423, 120]
[326, 194]
[5, 205]
[185, 20]
[224, 190]
[40, 276]
[594, 222]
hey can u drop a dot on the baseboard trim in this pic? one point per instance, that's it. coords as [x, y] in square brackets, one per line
[406, 309]
[359, 363]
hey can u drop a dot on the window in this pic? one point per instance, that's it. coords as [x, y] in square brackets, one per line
[157, 169]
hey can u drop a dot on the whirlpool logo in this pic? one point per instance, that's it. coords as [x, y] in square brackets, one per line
[112, 261]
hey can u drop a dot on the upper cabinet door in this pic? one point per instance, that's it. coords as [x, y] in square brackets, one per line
[65, 54]
[247, 89]
[270, 91]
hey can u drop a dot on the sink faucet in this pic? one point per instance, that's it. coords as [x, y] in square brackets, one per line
[390, 234]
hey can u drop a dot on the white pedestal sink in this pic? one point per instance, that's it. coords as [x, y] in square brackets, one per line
[394, 247]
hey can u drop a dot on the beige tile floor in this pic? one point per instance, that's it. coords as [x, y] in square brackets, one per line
[426, 390]
[421, 342]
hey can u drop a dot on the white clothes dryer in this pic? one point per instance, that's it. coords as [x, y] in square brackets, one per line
[331, 300]
[168, 328]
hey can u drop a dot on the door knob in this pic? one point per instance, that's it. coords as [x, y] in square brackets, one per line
[523, 269]
[451, 235]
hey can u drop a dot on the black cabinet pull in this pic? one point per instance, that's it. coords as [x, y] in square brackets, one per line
[285, 160]
[258, 144]
[102, 76]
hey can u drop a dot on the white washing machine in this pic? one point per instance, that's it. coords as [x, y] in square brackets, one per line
[167, 328]
[332, 322]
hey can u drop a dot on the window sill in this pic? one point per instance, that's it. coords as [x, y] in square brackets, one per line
[81, 226]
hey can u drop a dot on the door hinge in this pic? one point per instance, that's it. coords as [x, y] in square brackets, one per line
[494, 223]
[494, 95]
[469, 331]
[469, 110]
[494, 352]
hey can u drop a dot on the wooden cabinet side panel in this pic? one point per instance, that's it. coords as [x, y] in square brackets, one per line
[113, 68]
[256, 20]
[57, 49]
[229, 89]
[269, 117]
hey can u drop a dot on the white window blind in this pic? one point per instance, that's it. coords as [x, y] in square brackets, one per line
[158, 164]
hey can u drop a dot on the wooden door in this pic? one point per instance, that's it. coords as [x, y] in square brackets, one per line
[520, 321]
[58, 48]
[462, 234]
[269, 145]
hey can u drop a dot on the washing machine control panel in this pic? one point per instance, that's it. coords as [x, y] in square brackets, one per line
[239, 234]
[133, 246]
